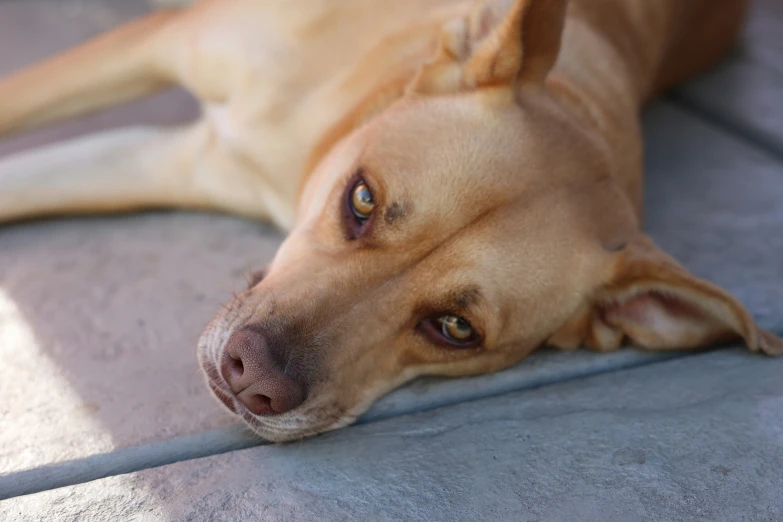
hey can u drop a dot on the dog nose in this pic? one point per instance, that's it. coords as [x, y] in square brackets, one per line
[259, 382]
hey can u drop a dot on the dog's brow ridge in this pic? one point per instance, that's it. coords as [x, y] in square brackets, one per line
[467, 297]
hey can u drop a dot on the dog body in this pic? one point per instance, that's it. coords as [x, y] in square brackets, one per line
[462, 182]
[282, 82]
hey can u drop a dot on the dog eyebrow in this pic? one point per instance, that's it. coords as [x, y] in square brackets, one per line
[457, 302]
[466, 297]
[396, 211]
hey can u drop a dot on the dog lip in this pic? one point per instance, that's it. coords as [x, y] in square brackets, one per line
[226, 398]
[222, 396]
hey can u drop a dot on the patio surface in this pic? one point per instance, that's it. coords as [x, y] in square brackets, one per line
[104, 414]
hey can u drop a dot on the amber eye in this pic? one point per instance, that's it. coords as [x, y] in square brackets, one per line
[456, 328]
[362, 203]
[450, 331]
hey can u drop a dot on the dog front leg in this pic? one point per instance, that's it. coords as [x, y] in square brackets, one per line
[133, 169]
[109, 172]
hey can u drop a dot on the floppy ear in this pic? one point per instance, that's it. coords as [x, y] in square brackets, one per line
[653, 302]
[499, 42]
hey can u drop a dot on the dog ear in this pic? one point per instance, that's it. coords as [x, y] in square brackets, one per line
[654, 303]
[499, 42]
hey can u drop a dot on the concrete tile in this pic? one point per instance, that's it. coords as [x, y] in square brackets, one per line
[545, 368]
[743, 96]
[699, 438]
[98, 325]
[714, 203]
[762, 42]
[746, 91]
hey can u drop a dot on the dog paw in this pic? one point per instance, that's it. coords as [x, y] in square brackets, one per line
[770, 344]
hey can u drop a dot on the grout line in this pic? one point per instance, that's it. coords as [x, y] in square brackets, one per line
[736, 128]
[126, 460]
[239, 437]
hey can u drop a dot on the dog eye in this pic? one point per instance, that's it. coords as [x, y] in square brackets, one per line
[450, 330]
[358, 206]
[362, 203]
[455, 328]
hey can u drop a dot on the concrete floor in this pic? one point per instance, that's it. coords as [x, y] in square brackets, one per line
[99, 317]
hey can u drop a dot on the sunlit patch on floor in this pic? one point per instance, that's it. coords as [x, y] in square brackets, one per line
[37, 402]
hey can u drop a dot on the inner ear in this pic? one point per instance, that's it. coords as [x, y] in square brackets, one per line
[655, 319]
[651, 307]
[515, 41]
[499, 42]
[651, 301]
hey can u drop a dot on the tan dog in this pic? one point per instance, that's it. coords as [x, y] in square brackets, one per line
[462, 181]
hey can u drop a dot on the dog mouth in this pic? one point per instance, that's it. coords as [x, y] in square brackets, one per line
[227, 399]
[310, 418]
[284, 427]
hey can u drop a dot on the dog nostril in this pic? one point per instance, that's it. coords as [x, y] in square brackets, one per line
[259, 404]
[236, 367]
[232, 369]
[255, 378]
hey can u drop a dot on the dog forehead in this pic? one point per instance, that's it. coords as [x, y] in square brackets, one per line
[455, 138]
[532, 239]
[519, 263]
[466, 153]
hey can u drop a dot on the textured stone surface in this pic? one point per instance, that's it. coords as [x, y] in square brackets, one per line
[715, 204]
[744, 96]
[745, 92]
[157, 449]
[98, 324]
[699, 438]
[761, 42]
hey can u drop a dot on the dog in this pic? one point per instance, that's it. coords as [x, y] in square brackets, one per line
[461, 180]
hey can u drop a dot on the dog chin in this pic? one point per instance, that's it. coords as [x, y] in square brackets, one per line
[267, 431]
[290, 426]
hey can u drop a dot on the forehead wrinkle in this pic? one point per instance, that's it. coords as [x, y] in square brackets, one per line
[449, 238]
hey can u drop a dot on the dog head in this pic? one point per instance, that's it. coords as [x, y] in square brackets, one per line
[466, 225]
